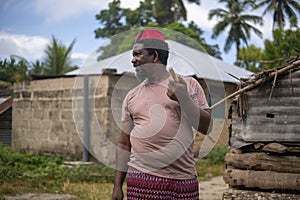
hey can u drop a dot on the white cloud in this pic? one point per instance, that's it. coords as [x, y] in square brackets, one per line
[199, 14]
[28, 47]
[80, 56]
[58, 10]
[132, 4]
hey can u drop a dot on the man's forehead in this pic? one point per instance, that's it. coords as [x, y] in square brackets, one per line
[138, 46]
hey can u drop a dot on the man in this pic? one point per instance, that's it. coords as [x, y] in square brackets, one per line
[156, 142]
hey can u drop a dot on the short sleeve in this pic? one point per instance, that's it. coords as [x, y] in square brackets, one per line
[125, 116]
[197, 94]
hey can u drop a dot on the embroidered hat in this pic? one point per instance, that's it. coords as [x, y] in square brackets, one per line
[149, 34]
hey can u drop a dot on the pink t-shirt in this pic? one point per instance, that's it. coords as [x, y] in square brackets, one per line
[162, 138]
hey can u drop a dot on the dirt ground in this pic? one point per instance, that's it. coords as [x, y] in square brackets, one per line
[212, 189]
[209, 190]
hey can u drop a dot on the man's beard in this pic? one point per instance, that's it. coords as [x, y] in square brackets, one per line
[141, 75]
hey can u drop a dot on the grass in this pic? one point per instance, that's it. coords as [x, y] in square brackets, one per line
[23, 173]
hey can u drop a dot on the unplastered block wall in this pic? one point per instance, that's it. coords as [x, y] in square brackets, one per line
[48, 116]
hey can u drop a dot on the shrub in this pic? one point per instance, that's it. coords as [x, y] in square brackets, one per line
[217, 155]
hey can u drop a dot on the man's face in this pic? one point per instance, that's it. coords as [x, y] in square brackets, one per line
[141, 61]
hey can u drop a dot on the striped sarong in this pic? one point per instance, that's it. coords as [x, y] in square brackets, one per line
[142, 186]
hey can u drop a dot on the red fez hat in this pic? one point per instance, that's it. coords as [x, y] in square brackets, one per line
[149, 34]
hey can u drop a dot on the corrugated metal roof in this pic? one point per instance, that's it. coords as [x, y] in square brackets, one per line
[5, 104]
[185, 61]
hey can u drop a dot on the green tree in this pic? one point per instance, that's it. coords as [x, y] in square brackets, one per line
[14, 70]
[239, 24]
[250, 57]
[37, 68]
[58, 58]
[193, 32]
[279, 51]
[160, 13]
[176, 31]
[113, 20]
[166, 12]
[116, 20]
[281, 10]
[284, 44]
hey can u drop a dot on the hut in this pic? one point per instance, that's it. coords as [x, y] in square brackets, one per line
[265, 137]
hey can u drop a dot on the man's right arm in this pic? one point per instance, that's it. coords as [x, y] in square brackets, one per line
[122, 158]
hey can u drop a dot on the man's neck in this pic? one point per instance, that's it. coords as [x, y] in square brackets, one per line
[159, 75]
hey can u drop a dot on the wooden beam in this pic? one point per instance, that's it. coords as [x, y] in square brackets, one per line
[259, 82]
[263, 161]
[262, 179]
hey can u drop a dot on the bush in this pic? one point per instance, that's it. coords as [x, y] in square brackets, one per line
[18, 167]
[217, 155]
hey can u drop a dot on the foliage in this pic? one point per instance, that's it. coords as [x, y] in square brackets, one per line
[239, 24]
[168, 11]
[281, 9]
[184, 35]
[213, 164]
[285, 44]
[116, 23]
[112, 20]
[176, 31]
[58, 61]
[31, 173]
[159, 13]
[249, 58]
[13, 70]
[37, 68]
[46, 170]
[217, 155]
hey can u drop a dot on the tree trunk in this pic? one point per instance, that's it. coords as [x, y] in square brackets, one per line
[262, 179]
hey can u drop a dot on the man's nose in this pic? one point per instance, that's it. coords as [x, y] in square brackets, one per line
[133, 60]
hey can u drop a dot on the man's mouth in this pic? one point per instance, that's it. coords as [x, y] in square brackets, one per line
[135, 65]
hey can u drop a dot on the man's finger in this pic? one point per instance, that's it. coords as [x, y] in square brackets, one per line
[173, 74]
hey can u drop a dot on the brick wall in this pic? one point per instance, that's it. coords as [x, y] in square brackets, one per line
[48, 116]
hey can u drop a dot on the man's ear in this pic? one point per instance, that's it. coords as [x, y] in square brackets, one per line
[155, 56]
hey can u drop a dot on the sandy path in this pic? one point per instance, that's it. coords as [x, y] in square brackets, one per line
[212, 189]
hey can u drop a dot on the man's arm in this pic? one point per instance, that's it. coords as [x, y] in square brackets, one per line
[199, 118]
[122, 158]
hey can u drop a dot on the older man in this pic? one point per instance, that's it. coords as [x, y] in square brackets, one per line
[156, 142]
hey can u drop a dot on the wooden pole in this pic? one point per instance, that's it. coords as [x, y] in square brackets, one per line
[258, 82]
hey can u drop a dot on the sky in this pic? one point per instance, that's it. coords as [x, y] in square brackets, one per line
[27, 26]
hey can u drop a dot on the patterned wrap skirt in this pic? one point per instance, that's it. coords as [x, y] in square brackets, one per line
[142, 186]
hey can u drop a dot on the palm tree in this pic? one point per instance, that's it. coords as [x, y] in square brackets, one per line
[281, 9]
[37, 68]
[238, 23]
[58, 61]
[169, 11]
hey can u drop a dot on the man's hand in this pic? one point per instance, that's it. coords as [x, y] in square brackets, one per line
[200, 119]
[117, 194]
[177, 90]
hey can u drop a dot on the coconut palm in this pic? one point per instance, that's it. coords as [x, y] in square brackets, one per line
[239, 24]
[281, 9]
[169, 11]
[58, 57]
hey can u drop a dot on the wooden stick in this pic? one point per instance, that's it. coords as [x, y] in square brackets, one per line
[258, 82]
[173, 74]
